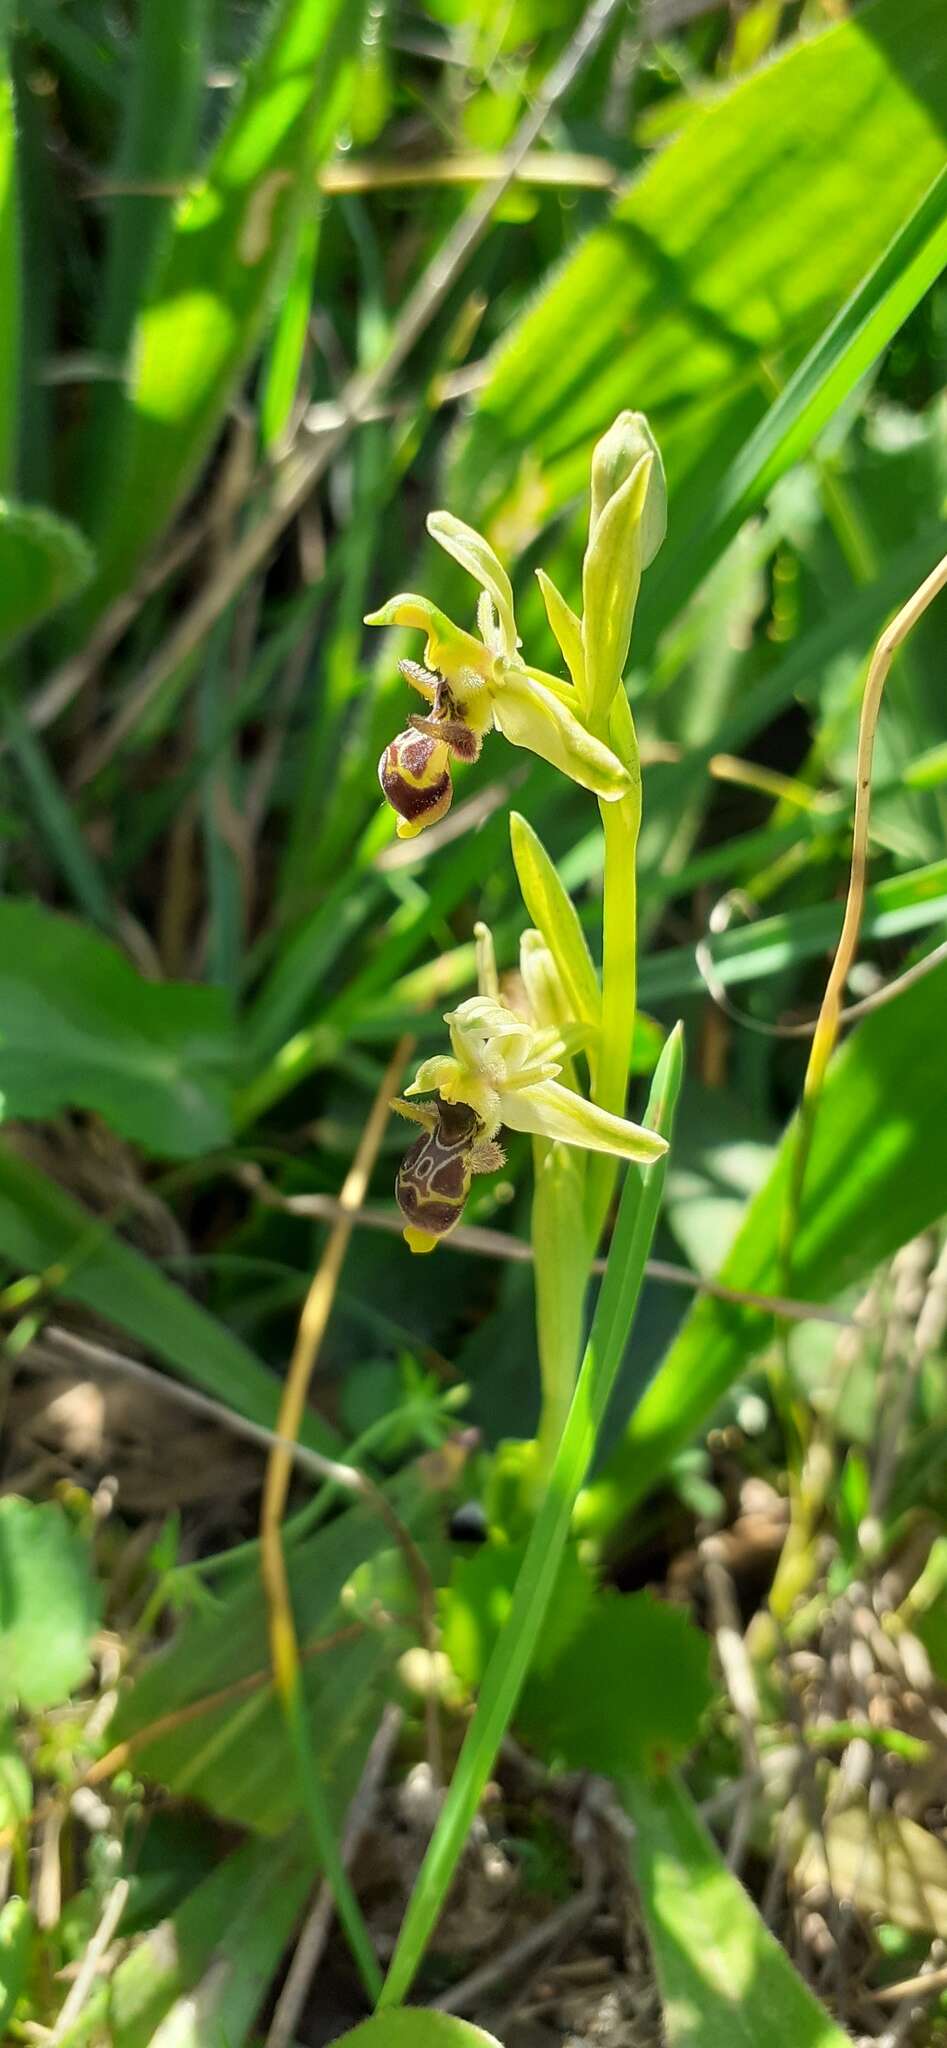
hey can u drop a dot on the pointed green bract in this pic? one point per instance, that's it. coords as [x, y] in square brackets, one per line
[551, 908]
[567, 628]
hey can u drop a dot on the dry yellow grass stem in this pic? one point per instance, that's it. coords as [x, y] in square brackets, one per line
[317, 1309]
[827, 1028]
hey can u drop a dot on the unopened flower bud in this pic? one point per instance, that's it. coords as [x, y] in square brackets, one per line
[627, 520]
[414, 772]
[614, 459]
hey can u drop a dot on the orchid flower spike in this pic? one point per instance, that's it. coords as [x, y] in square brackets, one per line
[502, 1069]
[474, 684]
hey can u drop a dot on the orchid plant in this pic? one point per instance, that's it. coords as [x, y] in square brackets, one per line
[519, 1057]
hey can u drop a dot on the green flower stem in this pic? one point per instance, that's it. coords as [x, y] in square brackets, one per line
[620, 824]
[561, 1276]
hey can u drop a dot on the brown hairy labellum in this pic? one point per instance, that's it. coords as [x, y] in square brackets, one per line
[414, 772]
[434, 1177]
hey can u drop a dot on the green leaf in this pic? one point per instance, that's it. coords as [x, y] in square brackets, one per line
[16, 1785]
[535, 1585]
[43, 1230]
[9, 273]
[684, 303]
[628, 1691]
[415, 2028]
[873, 1181]
[49, 1605]
[725, 1981]
[80, 1029]
[16, 1942]
[225, 255]
[551, 909]
[477, 1604]
[234, 1753]
[43, 561]
[207, 1966]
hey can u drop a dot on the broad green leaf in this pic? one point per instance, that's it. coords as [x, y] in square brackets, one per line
[208, 300]
[416, 2028]
[606, 1703]
[678, 302]
[215, 1954]
[477, 1603]
[43, 561]
[725, 1982]
[43, 1230]
[9, 271]
[552, 910]
[874, 1179]
[536, 1581]
[234, 1754]
[49, 1605]
[80, 1029]
[16, 1941]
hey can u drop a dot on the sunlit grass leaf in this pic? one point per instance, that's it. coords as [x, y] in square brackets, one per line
[207, 303]
[873, 1181]
[725, 1982]
[43, 561]
[49, 1604]
[679, 300]
[80, 1029]
[43, 1230]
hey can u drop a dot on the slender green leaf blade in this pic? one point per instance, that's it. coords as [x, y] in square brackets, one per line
[725, 1981]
